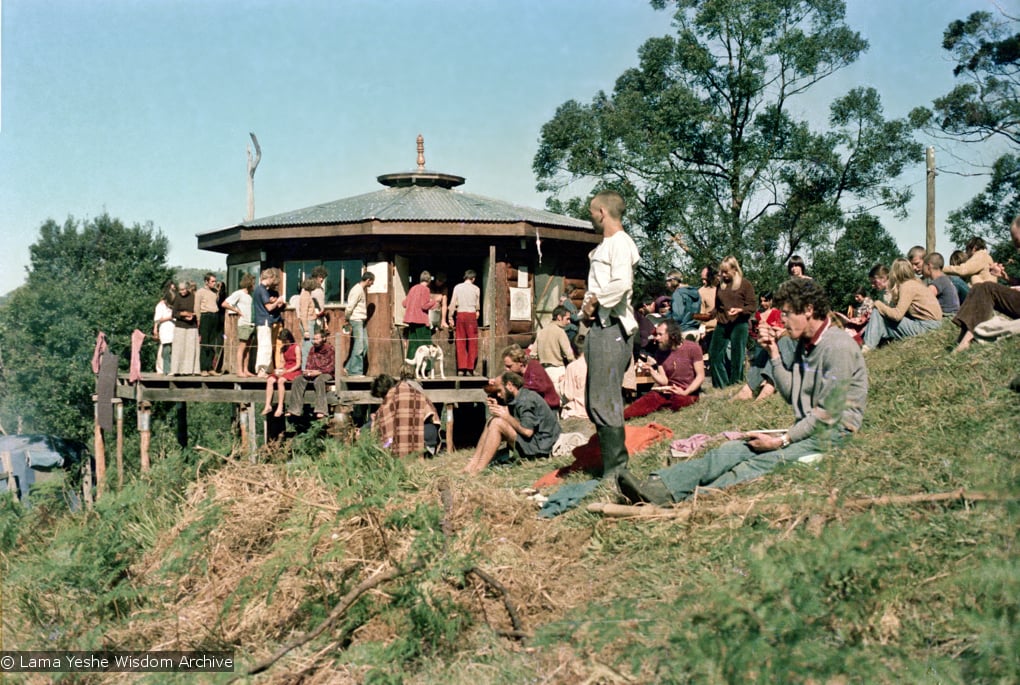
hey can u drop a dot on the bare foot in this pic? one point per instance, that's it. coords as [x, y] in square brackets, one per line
[767, 390]
[278, 412]
[745, 394]
[267, 410]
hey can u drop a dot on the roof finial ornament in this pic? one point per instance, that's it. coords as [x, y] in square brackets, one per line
[421, 153]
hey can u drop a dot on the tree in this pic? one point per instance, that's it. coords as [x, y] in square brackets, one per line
[843, 266]
[84, 277]
[703, 140]
[984, 106]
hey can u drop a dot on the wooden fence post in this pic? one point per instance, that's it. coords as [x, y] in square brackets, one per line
[118, 412]
[144, 433]
[99, 449]
[8, 467]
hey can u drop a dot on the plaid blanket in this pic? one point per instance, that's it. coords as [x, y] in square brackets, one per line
[400, 420]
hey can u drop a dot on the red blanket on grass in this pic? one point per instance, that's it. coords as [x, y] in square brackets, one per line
[588, 457]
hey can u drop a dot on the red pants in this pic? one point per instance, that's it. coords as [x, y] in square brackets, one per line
[466, 331]
[654, 401]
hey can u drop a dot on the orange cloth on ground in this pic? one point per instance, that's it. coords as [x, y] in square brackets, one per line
[589, 455]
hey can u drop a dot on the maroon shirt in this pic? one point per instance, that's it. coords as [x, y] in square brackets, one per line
[321, 359]
[679, 365]
[535, 378]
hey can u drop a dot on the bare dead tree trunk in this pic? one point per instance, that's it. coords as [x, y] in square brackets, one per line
[252, 165]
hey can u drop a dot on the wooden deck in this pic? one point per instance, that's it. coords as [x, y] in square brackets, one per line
[234, 389]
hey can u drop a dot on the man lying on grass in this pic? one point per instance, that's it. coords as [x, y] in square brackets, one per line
[827, 386]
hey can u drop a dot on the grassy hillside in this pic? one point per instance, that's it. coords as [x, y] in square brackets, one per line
[417, 574]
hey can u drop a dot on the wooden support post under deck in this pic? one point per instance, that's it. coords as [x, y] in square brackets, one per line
[8, 467]
[448, 410]
[86, 483]
[242, 424]
[144, 433]
[99, 449]
[118, 412]
[182, 424]
[253, 442]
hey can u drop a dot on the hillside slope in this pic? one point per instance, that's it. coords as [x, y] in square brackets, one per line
[434, 577]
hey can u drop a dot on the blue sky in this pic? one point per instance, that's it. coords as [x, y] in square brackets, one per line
[142, 109]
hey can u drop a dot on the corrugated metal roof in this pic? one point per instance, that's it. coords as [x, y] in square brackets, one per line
[418, 203]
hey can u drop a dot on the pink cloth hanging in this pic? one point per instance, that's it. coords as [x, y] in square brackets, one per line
[135, 367]
[97, 354]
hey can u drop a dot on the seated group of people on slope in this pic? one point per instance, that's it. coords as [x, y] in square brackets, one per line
[825, 380]
[920, 292]
[535, 392]
[992, 290]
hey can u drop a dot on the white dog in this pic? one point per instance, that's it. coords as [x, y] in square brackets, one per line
[423, 355]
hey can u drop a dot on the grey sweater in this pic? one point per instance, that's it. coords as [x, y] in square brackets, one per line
[828, 385]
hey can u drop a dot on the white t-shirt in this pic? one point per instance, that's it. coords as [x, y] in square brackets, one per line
[166, 329]
[241, 299]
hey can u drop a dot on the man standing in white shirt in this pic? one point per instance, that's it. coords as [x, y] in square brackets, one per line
[609, 344]
[464, 306]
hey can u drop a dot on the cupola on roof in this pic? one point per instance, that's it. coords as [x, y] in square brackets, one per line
[421, 197]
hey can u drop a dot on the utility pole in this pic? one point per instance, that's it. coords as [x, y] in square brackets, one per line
[929, 236]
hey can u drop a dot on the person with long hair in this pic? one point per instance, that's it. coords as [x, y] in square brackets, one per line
[291, 369]
[978, 265]
[913, 310]
[985, 299]
[406, 421]
[735, 303]
[796, 267]
[163, 327]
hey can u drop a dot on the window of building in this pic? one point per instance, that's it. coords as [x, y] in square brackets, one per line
[341, 276]
[235, 271]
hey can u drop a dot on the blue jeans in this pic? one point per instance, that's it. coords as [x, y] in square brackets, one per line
[880, 328]
[734, 462]
[359, 347]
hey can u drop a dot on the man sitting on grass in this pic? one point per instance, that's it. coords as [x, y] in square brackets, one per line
[827, 386]
[678, 378]
[523, 421]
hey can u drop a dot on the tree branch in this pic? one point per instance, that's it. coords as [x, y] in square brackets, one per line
[338, 611]
[683, 513]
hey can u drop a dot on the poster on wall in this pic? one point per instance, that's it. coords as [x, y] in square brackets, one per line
[380, 270]
[520, 304]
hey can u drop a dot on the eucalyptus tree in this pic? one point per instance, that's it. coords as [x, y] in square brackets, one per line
[718, 143]
[984, 106]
